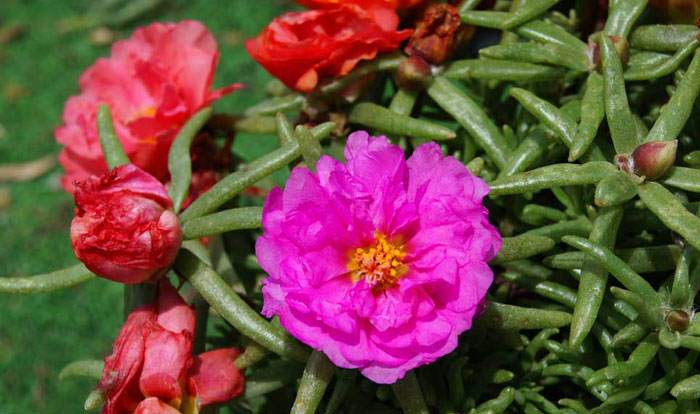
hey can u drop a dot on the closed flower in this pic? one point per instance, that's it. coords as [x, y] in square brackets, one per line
[151, 369]
[153, 82]
[301, 48]
[381, 262]
[394, 4]
[123, 228]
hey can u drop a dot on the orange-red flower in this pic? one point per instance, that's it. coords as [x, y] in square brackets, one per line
[151, 369]
[300, 48]
[395, 4]
[124, 229]
[153, 82]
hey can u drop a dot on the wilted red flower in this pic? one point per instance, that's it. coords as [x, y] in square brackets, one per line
[395, 4]
[153, 82]
[123, 228]
[435, 34]
[299, 48]
[151, 369]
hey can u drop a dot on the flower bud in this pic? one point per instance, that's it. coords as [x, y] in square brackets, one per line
[676, 11]
[678, 320]
[434, 37]
[653, 159]
[123, 228]
[413, 73]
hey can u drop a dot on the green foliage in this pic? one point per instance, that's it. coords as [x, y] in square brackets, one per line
[604, 323]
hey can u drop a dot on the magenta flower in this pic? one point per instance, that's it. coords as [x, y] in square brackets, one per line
[381, 263]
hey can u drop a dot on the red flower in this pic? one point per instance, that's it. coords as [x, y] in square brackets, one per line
[299, 48]
[394, 4]
[123, 229]
[153, 82]
[151, 369]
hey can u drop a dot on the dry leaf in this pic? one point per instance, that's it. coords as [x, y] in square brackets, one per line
[14, 91]
[101, 36]
[27, 171]
[5, 198]
[10, 32]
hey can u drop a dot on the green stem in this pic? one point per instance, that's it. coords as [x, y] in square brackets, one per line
[311, 150]
[179, 160]
[594, 277]
[59, 279]
[317, 374]
[617, 267]
[617, 107]
[235, 310]
[554, 175]
[670, 210]
[409, 394]
[390, 122]
[472, 118]
[676, 112]
[236, 182]
[111, 146]
[502, 70]
[222, 222]
[90, 368]
[509, 317]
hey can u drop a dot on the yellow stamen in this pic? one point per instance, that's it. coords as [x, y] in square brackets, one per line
[380, 265]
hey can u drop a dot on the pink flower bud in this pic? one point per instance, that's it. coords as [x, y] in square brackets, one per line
[123, 228]
[653, 159]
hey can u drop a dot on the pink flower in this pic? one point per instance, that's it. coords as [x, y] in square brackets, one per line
[381, 262]
[153, 82]
[152, 370]
[124, 229]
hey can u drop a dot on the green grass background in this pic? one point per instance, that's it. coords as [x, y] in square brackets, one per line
[39, 334]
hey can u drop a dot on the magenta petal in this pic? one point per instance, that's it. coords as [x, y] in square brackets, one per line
[429, 207]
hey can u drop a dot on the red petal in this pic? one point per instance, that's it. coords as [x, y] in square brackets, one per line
[173, 313]
[167, 357]
[214, 377]
[154, 406]
[120, 377]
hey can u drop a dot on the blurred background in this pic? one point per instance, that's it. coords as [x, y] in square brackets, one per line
[44, 47]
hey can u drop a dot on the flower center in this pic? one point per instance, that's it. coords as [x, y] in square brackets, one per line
[380, 264]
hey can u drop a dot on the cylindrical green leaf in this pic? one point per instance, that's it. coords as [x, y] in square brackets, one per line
[554, 175]
[235, 310]
[91, 368]
[390, 122]
[109, 141]
[502, 70]
[222, 222]
[472, 118]
[317, 374]
[59, 279]
[510, 317]
[179, 161]
[409, 394]
[236, 182]
[677, 110]
[671, 212]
